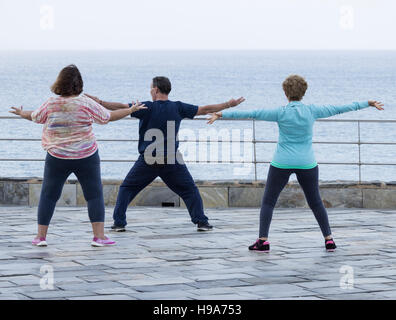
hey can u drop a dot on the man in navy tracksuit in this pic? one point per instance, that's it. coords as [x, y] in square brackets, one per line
[159, 157]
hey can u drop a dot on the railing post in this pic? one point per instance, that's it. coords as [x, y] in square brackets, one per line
[254, 150]
[360, 162]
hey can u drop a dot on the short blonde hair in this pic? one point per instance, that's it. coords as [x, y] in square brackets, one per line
[295, 87]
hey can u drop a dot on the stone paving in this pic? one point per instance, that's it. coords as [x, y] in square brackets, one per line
[162, 256]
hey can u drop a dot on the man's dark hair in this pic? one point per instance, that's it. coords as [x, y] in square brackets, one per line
[163, 84]
[69, 82]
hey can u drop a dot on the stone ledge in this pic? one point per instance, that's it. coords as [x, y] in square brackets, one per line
[380, 199]
[212, 197]
[217, 193]
[68, 196]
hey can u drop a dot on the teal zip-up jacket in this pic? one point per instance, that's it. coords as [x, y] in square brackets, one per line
[295, 122]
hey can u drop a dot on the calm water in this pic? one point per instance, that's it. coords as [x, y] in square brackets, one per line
[210, 77]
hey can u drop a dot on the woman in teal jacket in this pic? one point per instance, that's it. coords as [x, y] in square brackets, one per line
[294, 153]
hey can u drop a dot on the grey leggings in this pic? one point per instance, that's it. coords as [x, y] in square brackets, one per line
[309, 182]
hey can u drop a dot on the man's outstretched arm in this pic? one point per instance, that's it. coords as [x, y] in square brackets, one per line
[109, 105]
[213, 108]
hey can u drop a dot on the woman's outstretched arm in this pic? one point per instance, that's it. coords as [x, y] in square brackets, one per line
[328, 111]
[122, 113]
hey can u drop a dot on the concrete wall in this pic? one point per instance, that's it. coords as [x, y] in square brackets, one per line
[222, 194]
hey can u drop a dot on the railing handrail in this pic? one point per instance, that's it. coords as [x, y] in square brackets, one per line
[218, 141]
[254, 141]
[201, 118]
[230, 161]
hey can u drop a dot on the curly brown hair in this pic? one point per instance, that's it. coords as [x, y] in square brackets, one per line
[69, 82]
[295, 87]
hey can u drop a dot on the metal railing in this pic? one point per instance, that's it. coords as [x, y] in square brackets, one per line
[254, 141]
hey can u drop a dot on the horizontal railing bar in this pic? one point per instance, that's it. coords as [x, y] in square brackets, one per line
[201, 119]
[231, 141]
[130, 118]
[358, 120]
[221, 162]
[216, 141]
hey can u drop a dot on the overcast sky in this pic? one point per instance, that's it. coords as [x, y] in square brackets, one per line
[197, 24]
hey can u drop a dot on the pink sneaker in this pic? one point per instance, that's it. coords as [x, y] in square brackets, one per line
[39, 242]
[96, 242]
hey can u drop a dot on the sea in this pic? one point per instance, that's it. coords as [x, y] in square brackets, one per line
[224, 150]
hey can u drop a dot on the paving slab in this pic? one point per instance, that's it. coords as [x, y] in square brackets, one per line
[162, 256]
